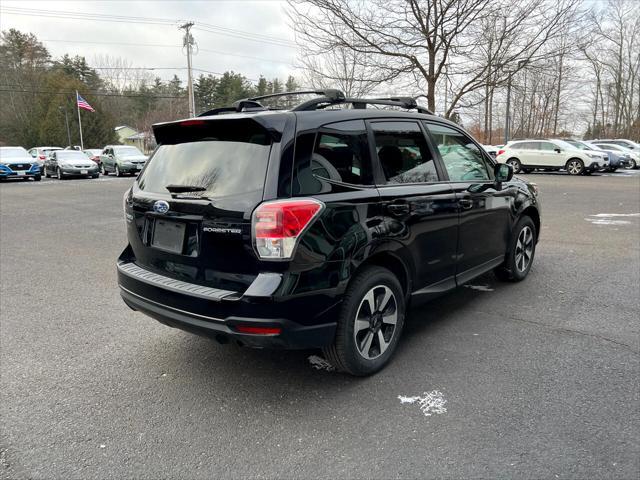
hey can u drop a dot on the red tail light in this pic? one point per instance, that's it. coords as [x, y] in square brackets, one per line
[258, 330]
[278, 224]
[42, 157]
[500, 152]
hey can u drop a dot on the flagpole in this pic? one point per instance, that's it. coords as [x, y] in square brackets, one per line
[79, 122]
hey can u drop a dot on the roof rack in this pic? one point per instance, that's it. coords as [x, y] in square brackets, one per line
[408, 103]
[326, 98]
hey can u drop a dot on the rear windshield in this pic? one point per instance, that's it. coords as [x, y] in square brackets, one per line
[71, 155]
[226, 159]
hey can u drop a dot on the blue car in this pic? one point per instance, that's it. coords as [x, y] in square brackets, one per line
[15, 162]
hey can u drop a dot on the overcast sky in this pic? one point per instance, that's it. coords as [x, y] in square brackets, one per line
[274, 54]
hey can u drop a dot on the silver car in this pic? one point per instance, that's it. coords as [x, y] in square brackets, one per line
[66, 163]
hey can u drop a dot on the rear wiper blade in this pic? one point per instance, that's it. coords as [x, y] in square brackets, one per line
[184, 188]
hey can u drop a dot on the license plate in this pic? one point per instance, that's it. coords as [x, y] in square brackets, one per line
[83, 172]
[168, 236]
[21, 174]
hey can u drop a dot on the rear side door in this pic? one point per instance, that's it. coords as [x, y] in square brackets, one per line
[485, 213]
[419, 207]
[549, 157]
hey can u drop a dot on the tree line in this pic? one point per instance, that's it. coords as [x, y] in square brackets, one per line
[572, 66]
[36, 91]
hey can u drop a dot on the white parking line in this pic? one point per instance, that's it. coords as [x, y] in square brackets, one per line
[431, 403]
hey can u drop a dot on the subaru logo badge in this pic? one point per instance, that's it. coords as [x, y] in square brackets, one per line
[161, 206]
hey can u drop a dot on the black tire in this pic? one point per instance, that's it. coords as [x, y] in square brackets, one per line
[46, 173]
[118, 172]
[345, 354]
[103, 170]
[59, 174]
[37, 178]
[511, 270]
[96, 175]
[515, 164]
[574, 166]
[631, 165]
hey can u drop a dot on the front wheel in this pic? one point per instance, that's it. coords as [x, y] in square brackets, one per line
[575, 166]
[59, 174]
[118, 172]
[522, 249]
[369, 324]
[515, 164]
[37, 178]
[103, 170]
[631, 164]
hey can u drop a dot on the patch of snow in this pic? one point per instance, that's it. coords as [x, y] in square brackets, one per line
[320, 363]
[610, 218]
[431, 403]
[480, 288]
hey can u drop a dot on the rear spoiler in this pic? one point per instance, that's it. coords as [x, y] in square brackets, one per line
[193, 128]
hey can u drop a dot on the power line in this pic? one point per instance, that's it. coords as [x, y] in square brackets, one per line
[171, 46]
[147, 20]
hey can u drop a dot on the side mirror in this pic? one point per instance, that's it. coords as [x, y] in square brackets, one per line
[557, 150]
[503, 172]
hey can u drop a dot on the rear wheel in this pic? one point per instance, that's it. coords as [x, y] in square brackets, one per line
[575, 166]
[521, 252]
[369, 324]
[515, 164]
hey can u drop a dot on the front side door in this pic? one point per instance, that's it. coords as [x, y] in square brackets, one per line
[51, 163]
[484, 226]
[418, 205]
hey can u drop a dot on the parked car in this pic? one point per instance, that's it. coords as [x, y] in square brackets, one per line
[526, 155]
[40, 154]
[616, 159]
[629, 144]
[633, 156]
[67, 163]
[15, 162]
[491, 150]
[94, 154]
[314, 228]
[121, 159]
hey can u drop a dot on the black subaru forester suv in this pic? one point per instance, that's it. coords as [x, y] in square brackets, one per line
[316, 226]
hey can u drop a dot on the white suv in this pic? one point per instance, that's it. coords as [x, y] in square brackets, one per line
[527, 155]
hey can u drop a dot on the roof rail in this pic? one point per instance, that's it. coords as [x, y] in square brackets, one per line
[326, 98]
[408, 103]
[252, 104]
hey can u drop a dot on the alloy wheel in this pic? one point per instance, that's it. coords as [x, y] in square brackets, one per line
[524, 248]
[574, 167]
[375, 322]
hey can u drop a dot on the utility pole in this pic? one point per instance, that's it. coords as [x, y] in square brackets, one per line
[66, 121]
[188, 42]
[508, 117]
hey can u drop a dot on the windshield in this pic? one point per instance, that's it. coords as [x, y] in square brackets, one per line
[127, 151]
[565, 145]
[70, 155]
[225, 162]
[17, 152]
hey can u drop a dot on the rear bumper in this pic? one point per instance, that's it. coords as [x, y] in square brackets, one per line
[301, 322]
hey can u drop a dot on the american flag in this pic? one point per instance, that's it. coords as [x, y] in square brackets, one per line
[82, 103]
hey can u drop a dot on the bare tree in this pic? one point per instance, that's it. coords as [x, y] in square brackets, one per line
[421, 38]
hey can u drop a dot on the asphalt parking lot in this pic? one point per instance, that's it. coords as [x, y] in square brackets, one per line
[540, 378]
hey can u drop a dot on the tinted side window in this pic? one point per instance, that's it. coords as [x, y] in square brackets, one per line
[403, 153]
[337, 152]
[547, 146]
[462, 158]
